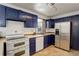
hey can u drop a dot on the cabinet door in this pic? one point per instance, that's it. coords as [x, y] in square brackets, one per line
[38, 45]
[50, 23]
[28, 23]
[30, 20]
[31, 23]
[2, 16]
[12, 14]
[46, 41]
[2, 22]
[22, 15]
[27, 47]
[32, 46]
[34, 23]
[51, 39]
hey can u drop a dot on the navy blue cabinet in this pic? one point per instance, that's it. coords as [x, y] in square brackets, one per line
[46, 41]
[26, 16]
[22, 16]
[2, 16]
[32, 23]
[12, 14]
[32, 46]
[49, 40]
[30, 20]
[49, 23]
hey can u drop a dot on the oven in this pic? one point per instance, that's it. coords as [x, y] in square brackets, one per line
[17, 46]
[17, 52]
[16, 43]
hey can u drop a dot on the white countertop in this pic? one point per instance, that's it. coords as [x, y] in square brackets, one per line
[38, 35]
[30, 36]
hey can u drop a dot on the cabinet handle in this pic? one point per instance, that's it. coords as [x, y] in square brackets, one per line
[19, 44]
[19, 53]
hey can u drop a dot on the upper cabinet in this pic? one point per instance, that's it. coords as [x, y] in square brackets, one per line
[26, 16]
[12, 14]
[49, 23]
[2, 16]
[30, 20]
[32, 23]
[7, 13]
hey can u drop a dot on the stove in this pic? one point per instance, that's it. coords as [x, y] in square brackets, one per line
[16, 45]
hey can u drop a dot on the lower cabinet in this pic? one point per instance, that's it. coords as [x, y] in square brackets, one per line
[39, 43]
[48, 40]
[27, 47]
[32, 46]
[51, 39]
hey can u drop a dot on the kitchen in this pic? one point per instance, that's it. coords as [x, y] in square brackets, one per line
[39, 29]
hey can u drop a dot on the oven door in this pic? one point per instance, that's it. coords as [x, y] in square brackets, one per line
[18, 52]
[16, 43]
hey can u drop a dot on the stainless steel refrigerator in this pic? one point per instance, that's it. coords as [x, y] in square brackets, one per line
[62, 35]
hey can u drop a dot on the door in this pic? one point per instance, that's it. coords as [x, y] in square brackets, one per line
[32, 46]
[65, 42]
[45, 41]
[65, 36]
[38, 45]
[57, 34]
[51, 39]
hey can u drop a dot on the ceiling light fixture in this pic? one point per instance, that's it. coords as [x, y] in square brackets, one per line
[52, 5]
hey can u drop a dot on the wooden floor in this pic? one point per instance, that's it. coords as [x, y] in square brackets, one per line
[53, 51]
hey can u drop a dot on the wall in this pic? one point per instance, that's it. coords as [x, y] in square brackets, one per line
[66, 15]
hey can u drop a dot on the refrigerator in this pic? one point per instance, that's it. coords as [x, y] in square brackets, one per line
[62, 35]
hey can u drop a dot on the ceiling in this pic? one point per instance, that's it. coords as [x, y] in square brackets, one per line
[44, 9]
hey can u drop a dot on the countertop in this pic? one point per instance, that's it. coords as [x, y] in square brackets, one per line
[3, 39]
[38, 35]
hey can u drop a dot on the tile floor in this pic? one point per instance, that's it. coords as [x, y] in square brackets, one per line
[53, 51]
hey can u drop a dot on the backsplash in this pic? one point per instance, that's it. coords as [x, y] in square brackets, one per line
[12, 28]
[50, 30]
[3, 30]
[27, 30]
